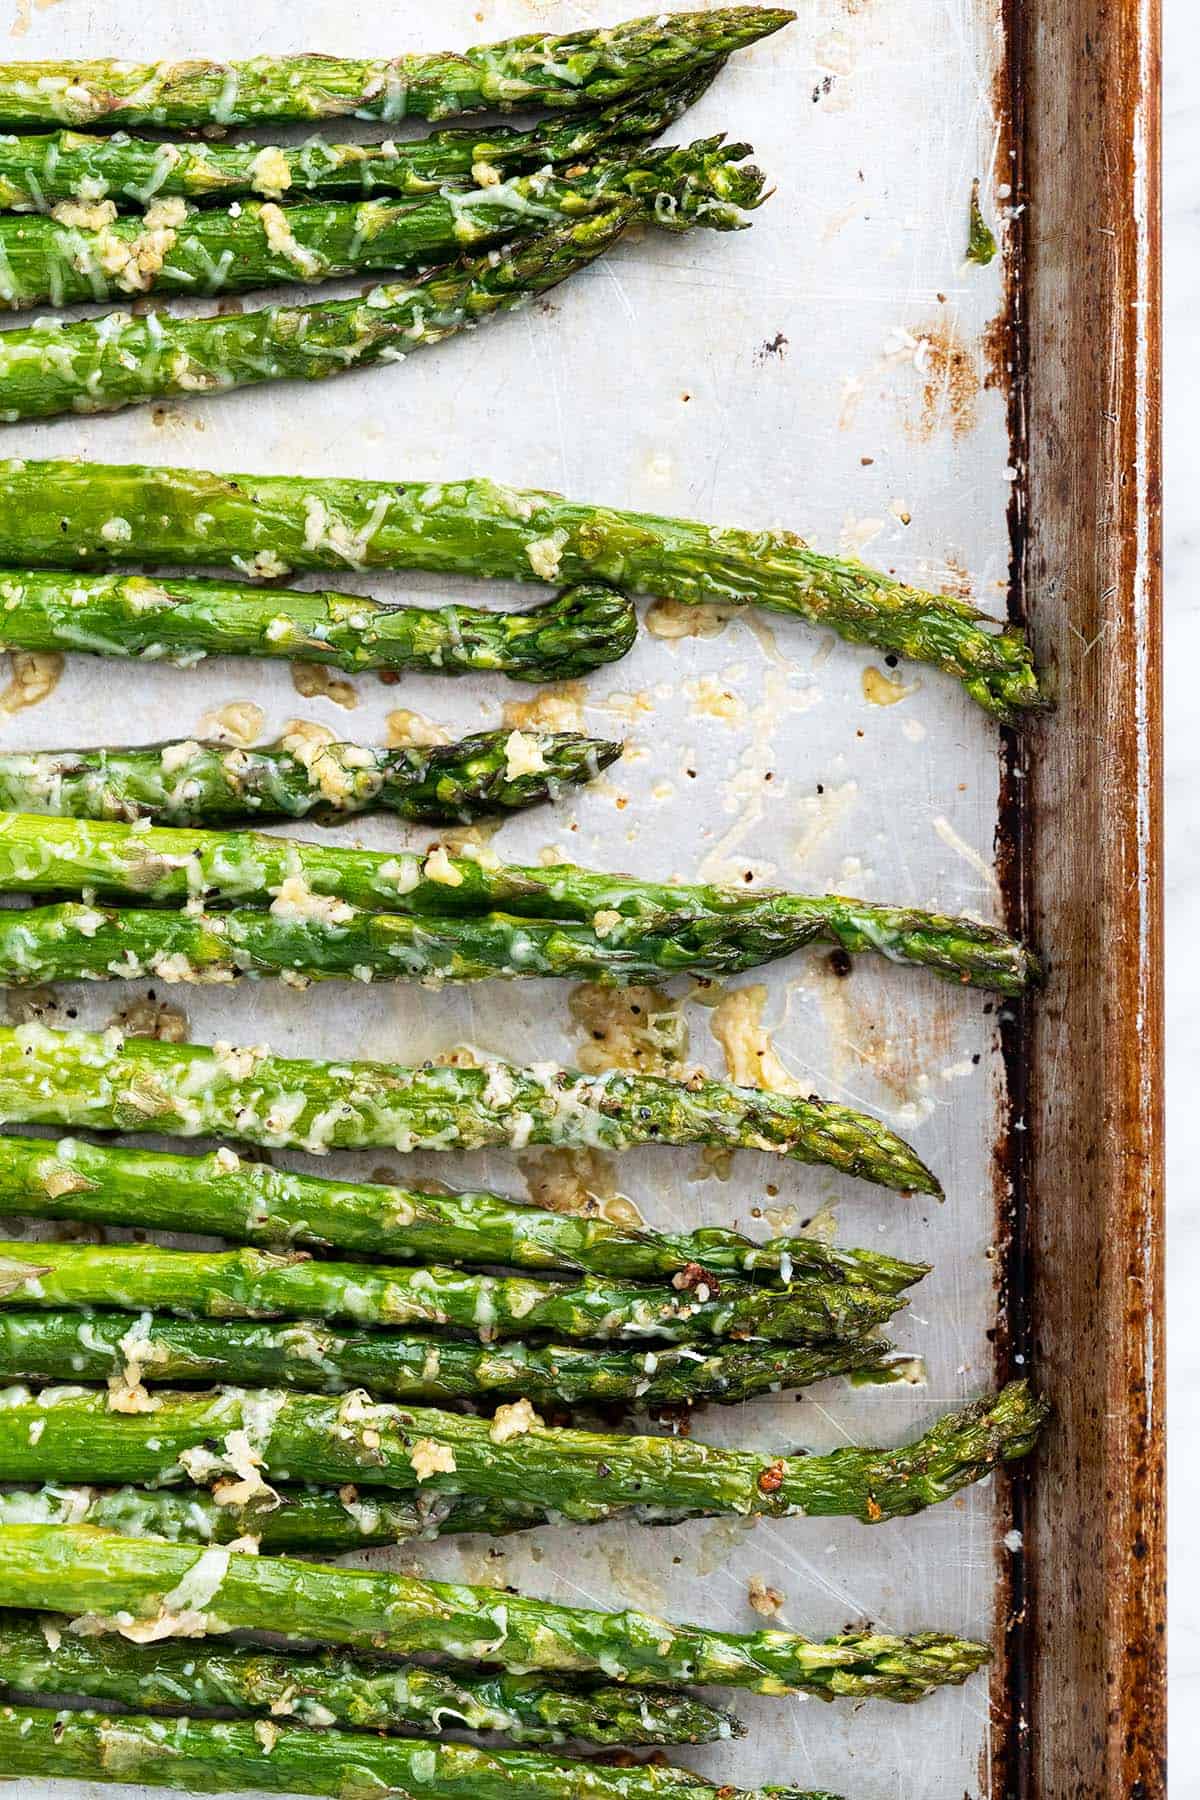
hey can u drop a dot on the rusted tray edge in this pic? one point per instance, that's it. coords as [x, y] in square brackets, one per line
[1080, 1693]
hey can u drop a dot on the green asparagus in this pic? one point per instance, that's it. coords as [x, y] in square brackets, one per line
[99, 1081]
[183, 621]
[124, 359]
[710, 929]
[189, 783]
[35, 172]
[237, 1437]
[52, 512]
[108, 1184]
[310, 1519]
[270, 1284]
[86, 252]
[304, 937]
[95, 1577]
[589, 67]
[214, 1755]
[60, 1346]
[42, 1655]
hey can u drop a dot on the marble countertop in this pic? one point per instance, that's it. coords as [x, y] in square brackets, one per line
[1182, 451]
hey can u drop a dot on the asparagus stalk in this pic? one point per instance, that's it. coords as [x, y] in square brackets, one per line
[42, 1655]
[713, 929]
[583, 1475]
[87, 252]
[589, 67]
[189, 783]
[479, 527]
[60, 1346]
[37, 171]
[305, 937]
[326, 1520]
[102, 365]
[213, 1755]
[269, 1284]
[108, 1184]
[183, 621]
[100, 1082]
[95, 1576]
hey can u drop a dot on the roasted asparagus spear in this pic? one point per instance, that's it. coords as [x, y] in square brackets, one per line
[36, 171]
[324, 1520]
[183, 621]
[193, 783]
[240, 1437]
[99, 1081]
[109, 1184]
[147, 1590]
[269, 1284]
[590, 67]
[414, 1366]
[215, 1755]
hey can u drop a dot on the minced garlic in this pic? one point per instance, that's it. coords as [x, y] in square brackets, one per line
[81, 217]
[269, 172]
[765, 1600]
[522, 756]
[429, 1459]
[545, 554]
[514, 1421]
[438, 867]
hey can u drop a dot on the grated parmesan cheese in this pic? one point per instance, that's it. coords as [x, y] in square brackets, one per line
[295, 900]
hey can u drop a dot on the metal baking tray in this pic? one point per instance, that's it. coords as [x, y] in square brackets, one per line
[843, 370]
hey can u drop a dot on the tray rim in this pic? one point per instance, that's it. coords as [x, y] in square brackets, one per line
[1080, 1693]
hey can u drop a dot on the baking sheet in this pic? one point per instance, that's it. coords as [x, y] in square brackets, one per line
[829, 371]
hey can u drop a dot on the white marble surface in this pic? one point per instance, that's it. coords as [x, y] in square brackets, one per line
[1182, 322]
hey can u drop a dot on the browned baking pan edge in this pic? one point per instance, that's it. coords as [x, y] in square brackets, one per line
[1080, 1694]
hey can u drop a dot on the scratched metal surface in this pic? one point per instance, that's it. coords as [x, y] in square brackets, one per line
[824, 371]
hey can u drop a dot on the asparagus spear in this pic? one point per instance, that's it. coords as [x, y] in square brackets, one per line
[42, 1655]
[101, 365]
[213, 1755]
[107, 1184]
[97, 1081]
[326, 1520]
[95, 1576]
[584, 1475]
[305, 937]
[36, 171]
[715, 929]
[589, 67]
[60, 1346]
[183, 621]
[269, 1284]
[86, 252]
[189, 783]
[479, 527]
